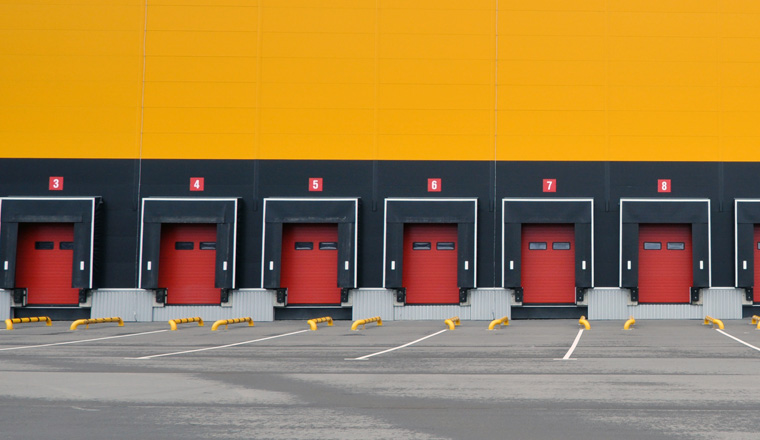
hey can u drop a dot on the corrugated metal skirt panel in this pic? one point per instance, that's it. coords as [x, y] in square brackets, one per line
[723, 303]
[187, 263]
[44, 260]
[129, 304]
[489, 304]
[548, 264]
[665, 263]
[431, 312]
[310, 263]
[430, 264]
[367, 303]
[5, 304]
[756, 244]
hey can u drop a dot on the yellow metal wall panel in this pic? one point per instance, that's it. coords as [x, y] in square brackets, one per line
[551, 123]
[436, 4]
[434, 96]
[71, 16]
[200, 94]
[192, 145]
[201, 44]
[740, 149]
[437, 71]
[326, 45]
[435, 21]
[440, 46]
[317, 121]
[663, 73]
[318, 70]
[670, 24]
[552, 72]
[667, 49]
[70, 79]
[70, 68]
[559, 48]
[196, 120]
[659, 123]
[434, 147]
[560, 22]
[744, 124]
[550, 148]
[218, 68]
[665, 5]
[44, 42]
[552, 5]
[315, 20]
[663, 148]
[318, 146]
[193, 18]
[550, 97]
[434, 122]
[92, 145]
[659, 98]
[740, 50]
[315, 96]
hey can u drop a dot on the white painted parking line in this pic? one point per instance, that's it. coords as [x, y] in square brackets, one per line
[83, 340]
[572, 348]
[364, 358]
[738, 340]
[218, 346]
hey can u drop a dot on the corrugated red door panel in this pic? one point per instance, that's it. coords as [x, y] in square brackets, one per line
[756, 289]
[44, 260]
[430, 264]
[310, 263]
[547, 271]
[665, 263]
[187, 263]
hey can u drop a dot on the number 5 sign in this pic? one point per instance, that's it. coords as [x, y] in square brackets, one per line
[315, 184]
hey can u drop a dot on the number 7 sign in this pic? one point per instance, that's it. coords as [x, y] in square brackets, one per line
[550, 185]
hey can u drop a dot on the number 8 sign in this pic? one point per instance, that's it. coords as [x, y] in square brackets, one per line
[663, 185]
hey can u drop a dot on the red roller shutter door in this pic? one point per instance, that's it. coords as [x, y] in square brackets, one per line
[187, 263]
[548, 264]
[430, 264]
[756, 289]
[665, 263]
[44, 259]
[310, 263]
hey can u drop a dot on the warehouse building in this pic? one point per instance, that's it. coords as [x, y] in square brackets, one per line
[408, 159]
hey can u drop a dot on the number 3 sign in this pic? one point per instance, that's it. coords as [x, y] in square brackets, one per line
[55, 184]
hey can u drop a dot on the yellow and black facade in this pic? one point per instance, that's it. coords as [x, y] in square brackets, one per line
[122, 101]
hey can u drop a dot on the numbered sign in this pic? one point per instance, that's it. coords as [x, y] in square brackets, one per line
[434, 185]
[550, 185]
[55, 184]
[196, 184]
[315, 184]
[663, 185]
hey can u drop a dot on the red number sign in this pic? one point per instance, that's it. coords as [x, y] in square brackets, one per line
[55, 184]
[550, 185]
[663, 185]
[315, 184]
[434, 185]
[196, 184]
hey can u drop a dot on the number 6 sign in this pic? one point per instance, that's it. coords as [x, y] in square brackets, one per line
[434, 185]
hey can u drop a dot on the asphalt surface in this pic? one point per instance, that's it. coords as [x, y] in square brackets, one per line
[661, 380]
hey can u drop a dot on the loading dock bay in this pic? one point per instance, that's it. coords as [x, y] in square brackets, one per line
[661, 380]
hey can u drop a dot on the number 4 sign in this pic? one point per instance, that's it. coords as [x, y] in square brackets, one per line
[196, 184]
